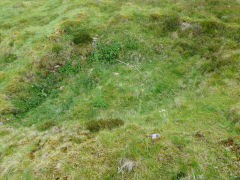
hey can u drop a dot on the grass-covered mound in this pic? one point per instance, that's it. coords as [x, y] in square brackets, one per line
[84, 84]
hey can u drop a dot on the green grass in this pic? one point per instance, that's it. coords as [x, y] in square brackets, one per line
[84, 85]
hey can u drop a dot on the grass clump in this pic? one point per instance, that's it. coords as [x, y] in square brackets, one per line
[212, 27]
[186, 48]
[99, 102]
[46, 125]
[217, 62]
[4, 132]
[234, 118]
[170, 22]
[57, 48]
[88, 82]
[131, 43]
[163, 24]
[7, 59]
[9, 150]
[97, 125]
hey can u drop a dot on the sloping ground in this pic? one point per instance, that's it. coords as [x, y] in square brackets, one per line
[84, 84]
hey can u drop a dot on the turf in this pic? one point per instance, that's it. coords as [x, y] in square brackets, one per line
[85, 83]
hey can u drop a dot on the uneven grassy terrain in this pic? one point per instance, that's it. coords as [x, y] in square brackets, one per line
[85, 83]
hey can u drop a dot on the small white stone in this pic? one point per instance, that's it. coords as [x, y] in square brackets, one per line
[155, 136]
[58, 166]
[185, 26]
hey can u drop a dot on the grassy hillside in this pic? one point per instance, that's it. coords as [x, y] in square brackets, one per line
[85, 83]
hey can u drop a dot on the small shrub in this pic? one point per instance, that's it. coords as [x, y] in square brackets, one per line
[97, 125]
[46, 125]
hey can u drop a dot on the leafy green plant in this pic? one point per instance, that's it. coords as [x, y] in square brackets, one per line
[105, 52]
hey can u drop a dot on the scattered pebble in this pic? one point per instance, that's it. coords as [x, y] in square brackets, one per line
[185, 26]
[57, 66]
[155, 136]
